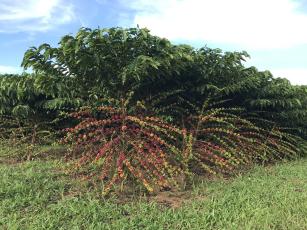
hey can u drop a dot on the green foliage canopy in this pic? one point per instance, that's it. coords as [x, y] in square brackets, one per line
[131, 66]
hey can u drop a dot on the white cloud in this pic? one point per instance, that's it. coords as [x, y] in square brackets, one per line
[9, 69]
[249, 24]
[297, 76]
[33, 15]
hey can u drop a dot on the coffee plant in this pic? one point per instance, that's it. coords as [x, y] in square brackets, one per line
[137, 107]
[119, 145]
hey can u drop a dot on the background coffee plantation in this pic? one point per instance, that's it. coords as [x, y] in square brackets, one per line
[131, 107]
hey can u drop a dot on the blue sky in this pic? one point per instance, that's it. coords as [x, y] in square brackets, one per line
[273, 32]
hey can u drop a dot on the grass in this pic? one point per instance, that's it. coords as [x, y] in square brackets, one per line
[39, 195]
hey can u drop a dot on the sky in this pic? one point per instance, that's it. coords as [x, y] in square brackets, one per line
[273, 32]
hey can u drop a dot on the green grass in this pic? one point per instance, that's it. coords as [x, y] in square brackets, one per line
[38, 195]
